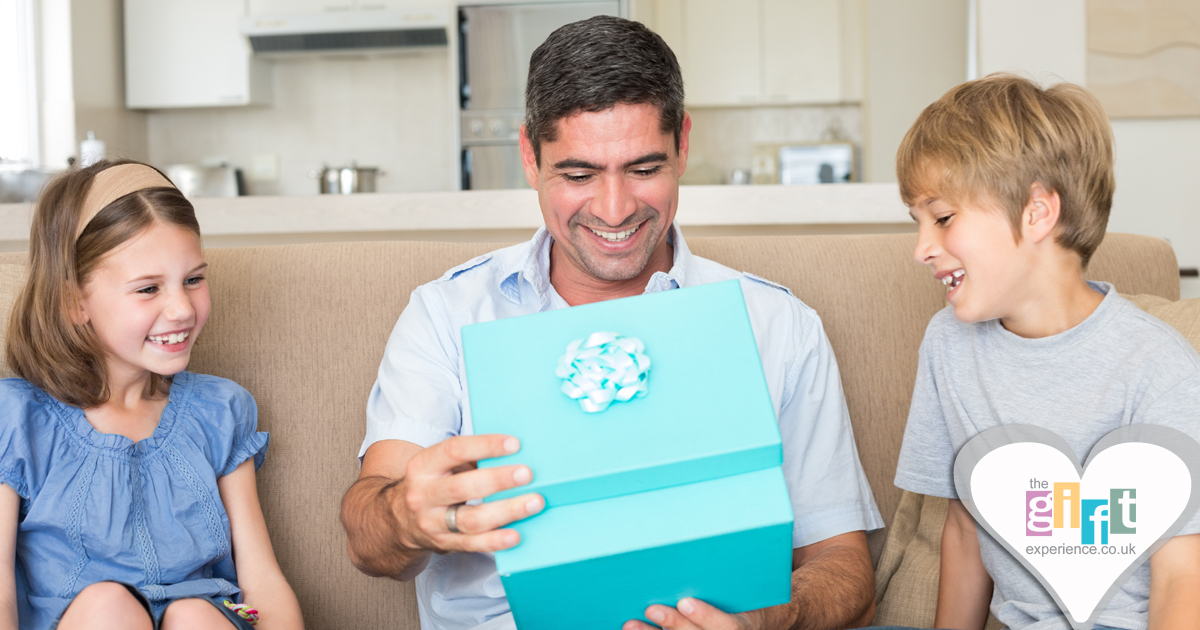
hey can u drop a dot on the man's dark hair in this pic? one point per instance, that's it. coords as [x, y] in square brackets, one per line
[593, 65]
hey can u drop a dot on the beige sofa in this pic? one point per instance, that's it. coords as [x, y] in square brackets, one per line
[303, 328]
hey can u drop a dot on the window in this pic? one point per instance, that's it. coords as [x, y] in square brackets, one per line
[19, 138]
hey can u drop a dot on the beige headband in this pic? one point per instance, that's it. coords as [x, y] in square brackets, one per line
[113, 183]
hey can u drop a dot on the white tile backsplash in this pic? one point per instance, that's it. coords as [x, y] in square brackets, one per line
[395, 112]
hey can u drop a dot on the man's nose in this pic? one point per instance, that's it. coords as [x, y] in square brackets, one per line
[614, 203]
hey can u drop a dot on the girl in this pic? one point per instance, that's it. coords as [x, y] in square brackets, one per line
[127, 493]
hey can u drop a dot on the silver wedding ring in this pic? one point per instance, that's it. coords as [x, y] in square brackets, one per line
[452, 518]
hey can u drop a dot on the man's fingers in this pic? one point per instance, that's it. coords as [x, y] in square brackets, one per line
[705, 616]
[451, 453]
[476, 519]
[668, 618]
[488, 542]
[473, 484]
[689, 614]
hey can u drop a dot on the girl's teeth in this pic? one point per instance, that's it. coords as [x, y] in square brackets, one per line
[170, 339]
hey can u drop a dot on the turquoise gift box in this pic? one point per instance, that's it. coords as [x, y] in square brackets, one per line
[678, 493]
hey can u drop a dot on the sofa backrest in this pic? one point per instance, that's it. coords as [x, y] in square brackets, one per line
[303, 328]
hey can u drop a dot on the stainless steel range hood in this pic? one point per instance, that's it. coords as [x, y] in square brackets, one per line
[287, 34]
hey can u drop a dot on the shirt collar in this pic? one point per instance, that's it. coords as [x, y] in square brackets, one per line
[533, 269]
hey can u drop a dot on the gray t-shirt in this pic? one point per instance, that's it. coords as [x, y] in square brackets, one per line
[1120, 366]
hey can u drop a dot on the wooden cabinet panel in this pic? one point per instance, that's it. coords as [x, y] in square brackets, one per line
[722, 59]
[189, 53]
[802, 58]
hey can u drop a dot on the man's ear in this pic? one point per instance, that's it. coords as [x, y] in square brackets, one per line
[1040, 215]
[528, 160]
[684, 132]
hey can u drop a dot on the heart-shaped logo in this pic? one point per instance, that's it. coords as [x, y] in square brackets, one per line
[1080, 531]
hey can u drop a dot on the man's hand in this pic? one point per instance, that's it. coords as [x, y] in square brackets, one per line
[833, 586]
[395, 515]
[693, 614]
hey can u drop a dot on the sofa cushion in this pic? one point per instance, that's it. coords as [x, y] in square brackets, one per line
[12, 279]
[906, 579]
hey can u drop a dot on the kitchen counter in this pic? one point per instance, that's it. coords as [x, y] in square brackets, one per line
[512, 215]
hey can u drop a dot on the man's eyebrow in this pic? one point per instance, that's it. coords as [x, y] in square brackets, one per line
[571, 163]
[646, 159]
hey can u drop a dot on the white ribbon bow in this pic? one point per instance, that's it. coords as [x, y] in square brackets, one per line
[604, 368]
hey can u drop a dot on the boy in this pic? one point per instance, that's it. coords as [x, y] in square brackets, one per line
[1011, 186]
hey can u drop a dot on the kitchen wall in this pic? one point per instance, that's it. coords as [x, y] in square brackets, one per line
[98, 76]
[724, 138]
[390, 111]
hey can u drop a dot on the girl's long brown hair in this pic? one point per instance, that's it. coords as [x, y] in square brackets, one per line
[44, 344]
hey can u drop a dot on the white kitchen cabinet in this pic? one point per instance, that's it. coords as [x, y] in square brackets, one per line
[190, 53]
[802, 51]
[722, 58]
[259, 7]
[760, 52]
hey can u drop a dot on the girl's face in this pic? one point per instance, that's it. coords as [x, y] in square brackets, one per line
[147, 301]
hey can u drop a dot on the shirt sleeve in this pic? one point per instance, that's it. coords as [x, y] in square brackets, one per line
[417, 396]
[1178, 408]
[19, 467]
[829, 490]
[926, 462]
[248, 441]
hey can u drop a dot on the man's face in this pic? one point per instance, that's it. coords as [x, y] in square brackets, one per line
[608, 187]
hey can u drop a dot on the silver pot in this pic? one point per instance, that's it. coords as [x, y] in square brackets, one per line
[347, 179]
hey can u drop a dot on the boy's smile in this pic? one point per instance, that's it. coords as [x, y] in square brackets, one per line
[972, 250]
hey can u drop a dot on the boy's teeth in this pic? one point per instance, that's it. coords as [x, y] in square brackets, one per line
[614, 236]
[953, 279]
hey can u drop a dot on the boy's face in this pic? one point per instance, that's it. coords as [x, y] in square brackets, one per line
[970, 247]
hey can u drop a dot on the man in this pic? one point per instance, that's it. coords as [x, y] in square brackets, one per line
[605, 142]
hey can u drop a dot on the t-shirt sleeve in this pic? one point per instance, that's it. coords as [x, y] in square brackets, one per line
[829, 491]
[231, 424]
[1178, 408]
[927, 454]
[417, 396]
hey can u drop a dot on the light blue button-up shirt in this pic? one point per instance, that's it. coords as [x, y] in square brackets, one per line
[420, 396]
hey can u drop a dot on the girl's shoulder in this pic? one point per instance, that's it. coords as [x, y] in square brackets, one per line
[221, 418]
[22, 401]
[30, 428]
[210, 394]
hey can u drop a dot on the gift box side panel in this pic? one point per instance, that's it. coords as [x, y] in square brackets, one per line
[646, 520]
[736, 572]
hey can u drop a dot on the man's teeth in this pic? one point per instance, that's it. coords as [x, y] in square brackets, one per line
[614, 237]
[953, 279]
[172, 338]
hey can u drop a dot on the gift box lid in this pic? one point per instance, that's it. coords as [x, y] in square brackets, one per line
[706, 412]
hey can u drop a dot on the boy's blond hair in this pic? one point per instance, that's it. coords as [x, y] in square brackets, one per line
[993, 138]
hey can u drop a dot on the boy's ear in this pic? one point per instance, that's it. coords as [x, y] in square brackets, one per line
[1041, 213]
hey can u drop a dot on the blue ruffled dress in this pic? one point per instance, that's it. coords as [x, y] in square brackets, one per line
[98, 507]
